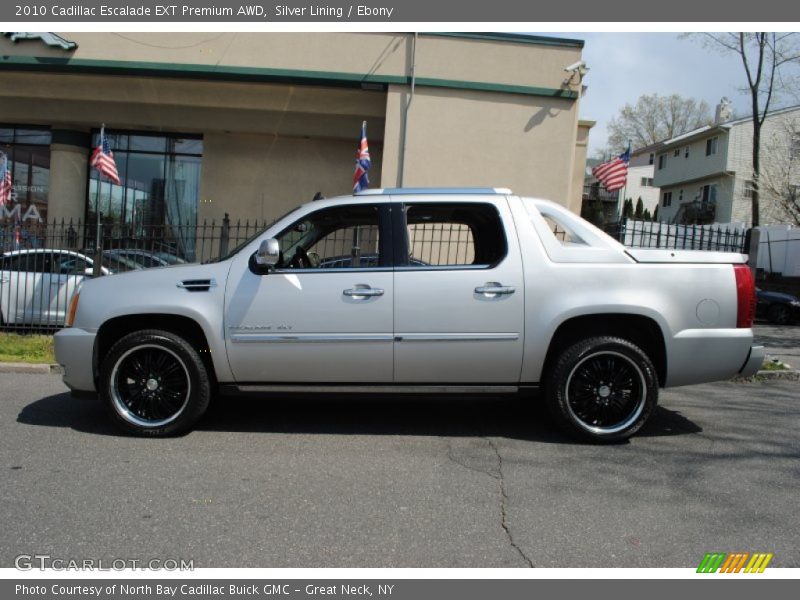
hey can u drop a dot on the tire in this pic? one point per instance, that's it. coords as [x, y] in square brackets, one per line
[579, 389]
[154, 384]
[779, 314]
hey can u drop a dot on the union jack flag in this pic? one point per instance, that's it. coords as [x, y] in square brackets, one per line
[363, 162]
[614, 173]
[5, 180]
[103, 159]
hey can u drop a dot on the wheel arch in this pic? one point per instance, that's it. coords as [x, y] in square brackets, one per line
[641, 330]
[116, 328]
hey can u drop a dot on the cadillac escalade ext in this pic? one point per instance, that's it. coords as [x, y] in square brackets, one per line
[417, 291]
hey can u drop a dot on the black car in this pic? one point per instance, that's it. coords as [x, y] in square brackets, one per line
[777, 308]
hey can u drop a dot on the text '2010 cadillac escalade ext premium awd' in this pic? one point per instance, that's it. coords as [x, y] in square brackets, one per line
[417, 291]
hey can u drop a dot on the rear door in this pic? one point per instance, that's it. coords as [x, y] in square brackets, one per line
[459, 293]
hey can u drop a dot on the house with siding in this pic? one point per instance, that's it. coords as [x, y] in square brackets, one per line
[705, 175]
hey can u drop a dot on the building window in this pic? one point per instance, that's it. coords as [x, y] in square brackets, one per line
[662, 161]
[680, 196]
[676, 152]
[667, 199]
[686, 152]
[159, 194]
[27, 151]
[652, 159]
[708, 194]
[794, 152]
[646, 182]
[748, 188]
[711, 146]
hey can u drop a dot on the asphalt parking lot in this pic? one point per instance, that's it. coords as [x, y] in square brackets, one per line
[401, 483]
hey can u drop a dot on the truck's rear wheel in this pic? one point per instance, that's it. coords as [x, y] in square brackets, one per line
[154, 383]
[602, 389]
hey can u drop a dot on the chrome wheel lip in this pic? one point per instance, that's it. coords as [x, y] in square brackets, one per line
[630, 419]
[119, 405]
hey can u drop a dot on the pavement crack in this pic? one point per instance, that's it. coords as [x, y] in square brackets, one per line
[503, 502]
[452, 458]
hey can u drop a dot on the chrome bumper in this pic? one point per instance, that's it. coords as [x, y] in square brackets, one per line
[73, 349]
[754, 361]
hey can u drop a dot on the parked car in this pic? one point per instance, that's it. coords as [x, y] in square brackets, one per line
[37, 285]
[144, 259]
[498, 305]
[778, 308]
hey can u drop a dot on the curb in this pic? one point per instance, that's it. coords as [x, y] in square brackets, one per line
[30, 368]
[785, 375]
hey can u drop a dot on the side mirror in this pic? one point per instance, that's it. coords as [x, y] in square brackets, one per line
[269, 253]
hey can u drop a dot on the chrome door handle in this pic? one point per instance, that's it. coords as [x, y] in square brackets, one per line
[494, 289]
[362, 292]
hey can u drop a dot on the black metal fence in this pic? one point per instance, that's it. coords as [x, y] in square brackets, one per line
[652, 234]
[42, 264]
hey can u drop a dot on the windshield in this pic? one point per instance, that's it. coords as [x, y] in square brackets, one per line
[239, 247]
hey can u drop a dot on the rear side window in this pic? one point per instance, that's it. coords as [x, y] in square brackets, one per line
[453, 235]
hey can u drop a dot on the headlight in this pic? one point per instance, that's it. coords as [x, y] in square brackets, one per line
[73, 307]
[795, 302]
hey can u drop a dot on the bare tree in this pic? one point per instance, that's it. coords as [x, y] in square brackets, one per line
[655, 118]
[780, 177]
[763, 56]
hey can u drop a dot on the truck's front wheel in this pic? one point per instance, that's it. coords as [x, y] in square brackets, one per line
[602, 389]
[154, 383]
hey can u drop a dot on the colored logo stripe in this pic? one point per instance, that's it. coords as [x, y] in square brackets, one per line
[734, 562]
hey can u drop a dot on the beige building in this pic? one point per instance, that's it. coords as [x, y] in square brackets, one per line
[253, 124]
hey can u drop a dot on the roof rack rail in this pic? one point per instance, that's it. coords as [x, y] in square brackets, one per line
[433, 190]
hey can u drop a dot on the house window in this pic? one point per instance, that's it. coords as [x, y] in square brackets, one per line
[667, 199]
[686, 152]
[748, 188]
[711, 146]
[794, 152]
[676, 152]
[708, 194]
[647, 182]
[662, 161]
[652, 159]
[680, 196]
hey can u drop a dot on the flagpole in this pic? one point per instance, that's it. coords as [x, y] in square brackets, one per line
[97, 251]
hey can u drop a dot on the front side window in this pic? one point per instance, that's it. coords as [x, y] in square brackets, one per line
[453, 235]
[341, 237]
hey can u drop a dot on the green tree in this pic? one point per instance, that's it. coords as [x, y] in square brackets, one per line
[655, 213]
[627, 209]
[647, 216]
[639, 212]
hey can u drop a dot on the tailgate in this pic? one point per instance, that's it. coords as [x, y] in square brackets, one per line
[652, 255]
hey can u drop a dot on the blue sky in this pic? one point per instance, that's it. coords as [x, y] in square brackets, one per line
[623, 66]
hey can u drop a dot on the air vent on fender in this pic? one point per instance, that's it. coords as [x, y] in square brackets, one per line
[197, 285]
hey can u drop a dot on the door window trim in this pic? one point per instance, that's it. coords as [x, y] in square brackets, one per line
[402, 243]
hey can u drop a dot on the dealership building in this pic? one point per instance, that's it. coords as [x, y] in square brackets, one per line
[252, 124]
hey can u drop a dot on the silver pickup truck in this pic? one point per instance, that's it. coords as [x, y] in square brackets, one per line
[416, 291]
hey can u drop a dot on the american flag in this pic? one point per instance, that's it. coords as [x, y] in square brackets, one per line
[103, 159]
[363, 162]
[5, 180]
[612, 174]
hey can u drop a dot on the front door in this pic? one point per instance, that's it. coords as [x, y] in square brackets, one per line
[459, 294]
[324, 314]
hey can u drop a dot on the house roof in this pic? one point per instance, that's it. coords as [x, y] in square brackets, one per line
[721, 127]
